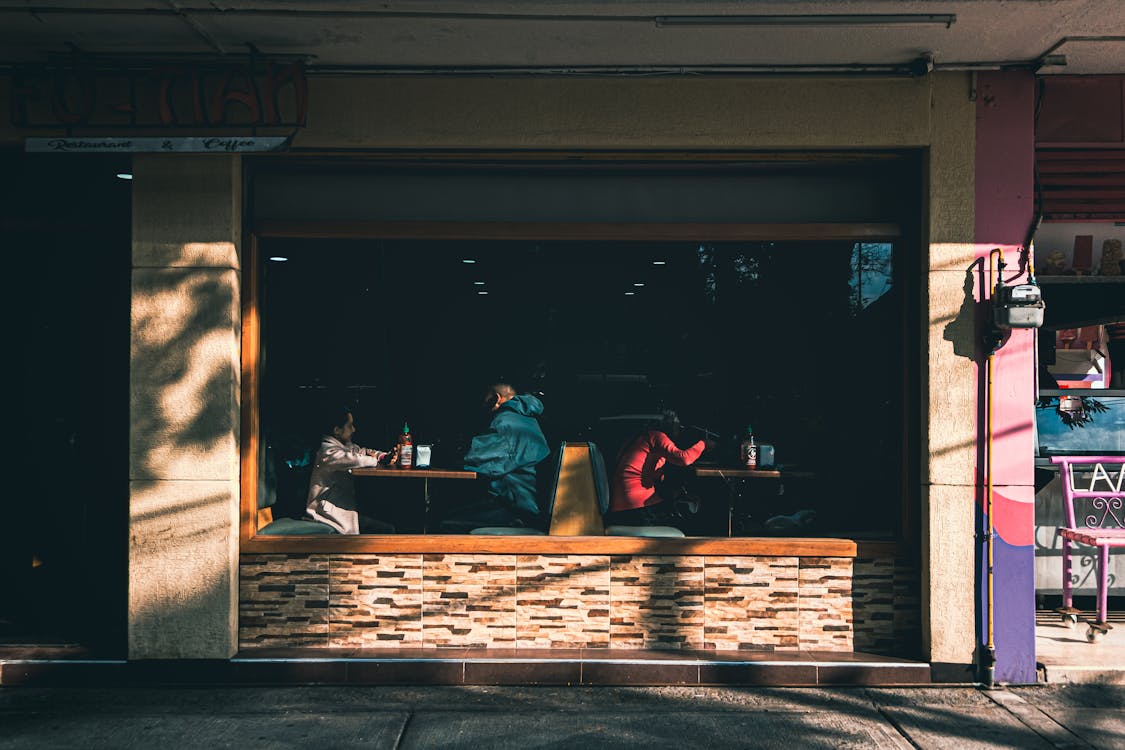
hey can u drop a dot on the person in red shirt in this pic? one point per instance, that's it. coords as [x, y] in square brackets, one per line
[640, 476]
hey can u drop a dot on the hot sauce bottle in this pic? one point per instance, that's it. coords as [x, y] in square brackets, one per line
[748, 451]
[405, 448]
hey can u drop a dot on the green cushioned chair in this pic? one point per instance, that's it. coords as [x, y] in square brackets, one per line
[522, 530]
[507, 531]
[267, 498]
[295, 527]
[648, 531]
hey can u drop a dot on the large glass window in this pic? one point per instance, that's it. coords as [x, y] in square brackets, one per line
[802, 340]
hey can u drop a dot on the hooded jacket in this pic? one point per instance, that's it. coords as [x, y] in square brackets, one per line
[509, 451]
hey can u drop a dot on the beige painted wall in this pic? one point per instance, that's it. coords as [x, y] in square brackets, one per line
[184, 402]
[182, 541]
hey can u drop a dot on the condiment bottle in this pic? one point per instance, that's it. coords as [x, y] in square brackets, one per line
[405, 448]
[748, 451]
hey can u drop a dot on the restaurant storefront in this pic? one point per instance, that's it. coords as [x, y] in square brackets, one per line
[803, 255]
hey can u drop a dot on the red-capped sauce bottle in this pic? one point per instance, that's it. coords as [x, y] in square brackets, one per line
[405, 448]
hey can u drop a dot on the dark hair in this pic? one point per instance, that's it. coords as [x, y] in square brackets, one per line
[669, 422]
[337, 417]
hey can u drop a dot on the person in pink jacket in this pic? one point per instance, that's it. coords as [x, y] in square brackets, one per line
[638, 479]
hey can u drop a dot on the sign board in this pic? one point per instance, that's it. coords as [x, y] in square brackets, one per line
[195, 145]
[85, 94]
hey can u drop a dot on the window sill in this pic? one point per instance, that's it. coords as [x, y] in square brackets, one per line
[582, 545]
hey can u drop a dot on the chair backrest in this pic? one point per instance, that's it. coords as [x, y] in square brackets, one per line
[1093, 491]
[601, 479]
[575, 505]
[282, 484]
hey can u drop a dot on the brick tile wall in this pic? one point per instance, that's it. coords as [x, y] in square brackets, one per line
[571, 601]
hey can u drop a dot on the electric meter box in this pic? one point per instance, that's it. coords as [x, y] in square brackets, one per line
[1019, 306]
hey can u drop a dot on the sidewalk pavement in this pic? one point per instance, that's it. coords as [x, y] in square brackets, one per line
[523, 718]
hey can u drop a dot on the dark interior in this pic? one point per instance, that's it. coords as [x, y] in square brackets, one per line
[63, 540]
[802, 340]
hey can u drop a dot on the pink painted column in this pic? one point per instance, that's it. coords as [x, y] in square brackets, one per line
[1004, 210]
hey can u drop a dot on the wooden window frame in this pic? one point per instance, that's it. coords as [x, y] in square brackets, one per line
[251, 542]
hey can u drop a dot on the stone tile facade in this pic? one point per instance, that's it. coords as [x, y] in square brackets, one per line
[376, 601]
[562, 601]
[751, 603]
[579, 601]
[283, 600]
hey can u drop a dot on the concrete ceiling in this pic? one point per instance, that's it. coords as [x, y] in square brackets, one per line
[592, 36]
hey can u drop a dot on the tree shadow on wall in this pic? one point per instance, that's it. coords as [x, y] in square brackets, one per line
[184, 412]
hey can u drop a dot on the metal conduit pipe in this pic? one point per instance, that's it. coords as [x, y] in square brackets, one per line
[987, 663]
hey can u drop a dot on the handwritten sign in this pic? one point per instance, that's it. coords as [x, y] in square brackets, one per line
[203, 145]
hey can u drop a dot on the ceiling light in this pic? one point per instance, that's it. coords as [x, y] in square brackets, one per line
[482, 292]
[815, 19]
[630, 294]
[478, 283]
[660, 263]
[467, 260]
[278, 258]
[638, 283]
[124, 175]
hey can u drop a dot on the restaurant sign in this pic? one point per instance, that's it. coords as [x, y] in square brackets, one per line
[202, 145]
[79, 94]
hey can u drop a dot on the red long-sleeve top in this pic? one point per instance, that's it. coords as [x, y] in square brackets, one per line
[641, 466]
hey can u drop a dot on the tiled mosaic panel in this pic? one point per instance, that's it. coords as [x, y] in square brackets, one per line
[469, 600]
[375, 601]
[283, 600]
[540, 601]
[750, 603]
[873, 605]
[826, 604]
[657, 602]
[562, 601]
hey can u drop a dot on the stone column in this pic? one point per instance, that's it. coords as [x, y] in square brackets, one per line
[949, 460]
[184, 407]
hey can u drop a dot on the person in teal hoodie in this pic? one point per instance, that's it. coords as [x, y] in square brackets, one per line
[507, 455]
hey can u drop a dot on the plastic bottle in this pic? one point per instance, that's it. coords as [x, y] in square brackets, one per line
[748, 451]
[405, 448]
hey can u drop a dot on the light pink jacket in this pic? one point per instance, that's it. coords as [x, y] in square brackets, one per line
[331, 488]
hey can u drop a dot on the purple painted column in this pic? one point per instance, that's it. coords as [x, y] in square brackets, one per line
[1005, 156]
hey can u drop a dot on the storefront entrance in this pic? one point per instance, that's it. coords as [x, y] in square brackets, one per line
[62, 545]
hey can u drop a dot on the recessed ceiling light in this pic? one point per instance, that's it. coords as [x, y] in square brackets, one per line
[478, 283]
[638, 283]
[660, 262]
[630, 294]
[467, 260]
[482, 292]
[124, 175]
[278, 258]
